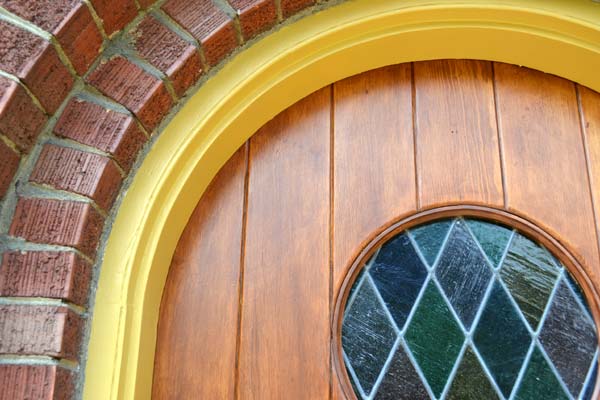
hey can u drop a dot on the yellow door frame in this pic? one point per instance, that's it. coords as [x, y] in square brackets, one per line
[556, 36]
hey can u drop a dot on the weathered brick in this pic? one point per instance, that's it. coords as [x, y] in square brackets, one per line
[20, 120]
[61, 222]
[208, 24]
[36, 382]
[255, 16]
[60, 275]
[291, 7]
[36, 63]
[88, 174]
[107, 130]
[70, 21]
[9, 163]
[39, 330]
[115, 14]
[142, 93]
[146, 3]
[164, 49]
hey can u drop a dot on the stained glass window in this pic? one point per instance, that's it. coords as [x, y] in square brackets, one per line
[467, 309]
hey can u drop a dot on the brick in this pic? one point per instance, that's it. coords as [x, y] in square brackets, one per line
[164, 49]
[208, 24]
[142, 93]
[36, 63]
[115, 14]
[255, 16]
[56, 275]
[20, 120]
[60, 222]
[146, 3]
[36, 382]
[70, 21]
[40, 330]
[9, 164]
[291, 7]
[76, 171]
[107, 130]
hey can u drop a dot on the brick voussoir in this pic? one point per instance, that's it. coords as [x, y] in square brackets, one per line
[91, 175]
[59, 222]
[143, 94]
[255, 16]
[168, 52]
[107, 130]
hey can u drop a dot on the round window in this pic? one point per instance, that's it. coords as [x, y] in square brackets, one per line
[467, 309]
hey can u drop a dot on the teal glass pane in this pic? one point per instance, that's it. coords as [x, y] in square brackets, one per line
[430, 238]
[468, 309]
[493, 238]
[435, 338]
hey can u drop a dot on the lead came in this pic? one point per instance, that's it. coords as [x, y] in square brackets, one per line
[468, 309]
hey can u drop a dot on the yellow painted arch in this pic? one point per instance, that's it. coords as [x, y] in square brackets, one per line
[557, 36]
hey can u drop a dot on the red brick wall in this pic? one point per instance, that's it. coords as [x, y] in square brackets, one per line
[83, 86]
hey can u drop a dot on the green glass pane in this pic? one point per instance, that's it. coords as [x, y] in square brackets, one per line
[529, 273]
[430, 237]
[435, 338]
[492, 238]
[470, 381]
[539, 382]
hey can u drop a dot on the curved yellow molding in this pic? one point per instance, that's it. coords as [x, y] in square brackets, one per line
[557, 36]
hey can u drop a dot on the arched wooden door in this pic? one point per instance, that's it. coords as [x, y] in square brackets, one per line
[248, 305]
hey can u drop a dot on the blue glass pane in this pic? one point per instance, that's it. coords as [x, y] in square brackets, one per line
[493, 238]
[430, 237]
[398, 274]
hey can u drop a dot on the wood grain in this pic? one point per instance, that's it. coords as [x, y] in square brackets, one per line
[197, 330]
[458, 157]
[590, 118]
[373, 178]
[284, 351]
[545, 165]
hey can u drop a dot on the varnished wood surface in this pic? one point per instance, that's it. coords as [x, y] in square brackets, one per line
[457, 142]
[247, 308]
[197, 332]
[544, 156]
[284, 348]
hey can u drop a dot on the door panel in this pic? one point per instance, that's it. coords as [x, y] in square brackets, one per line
[545, 168]
[248, 303]
[284, 346]
[457, 142]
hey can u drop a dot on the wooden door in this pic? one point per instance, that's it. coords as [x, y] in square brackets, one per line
[247, 310]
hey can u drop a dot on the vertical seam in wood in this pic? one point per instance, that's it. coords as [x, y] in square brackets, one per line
[238, 340]
[331, 230]
[413, 92]
[588, 165]
[500, 142]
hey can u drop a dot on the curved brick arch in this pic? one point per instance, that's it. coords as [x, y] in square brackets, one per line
[84, 86]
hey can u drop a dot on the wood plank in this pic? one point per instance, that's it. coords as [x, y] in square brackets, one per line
[545, 165]
[590, 114]
[284, 351]
[197, 330]
[458, 158]
[374, 181]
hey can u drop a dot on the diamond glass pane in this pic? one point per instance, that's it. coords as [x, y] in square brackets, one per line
[468, 309]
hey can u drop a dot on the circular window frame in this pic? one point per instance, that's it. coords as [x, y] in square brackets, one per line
[392, 229]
